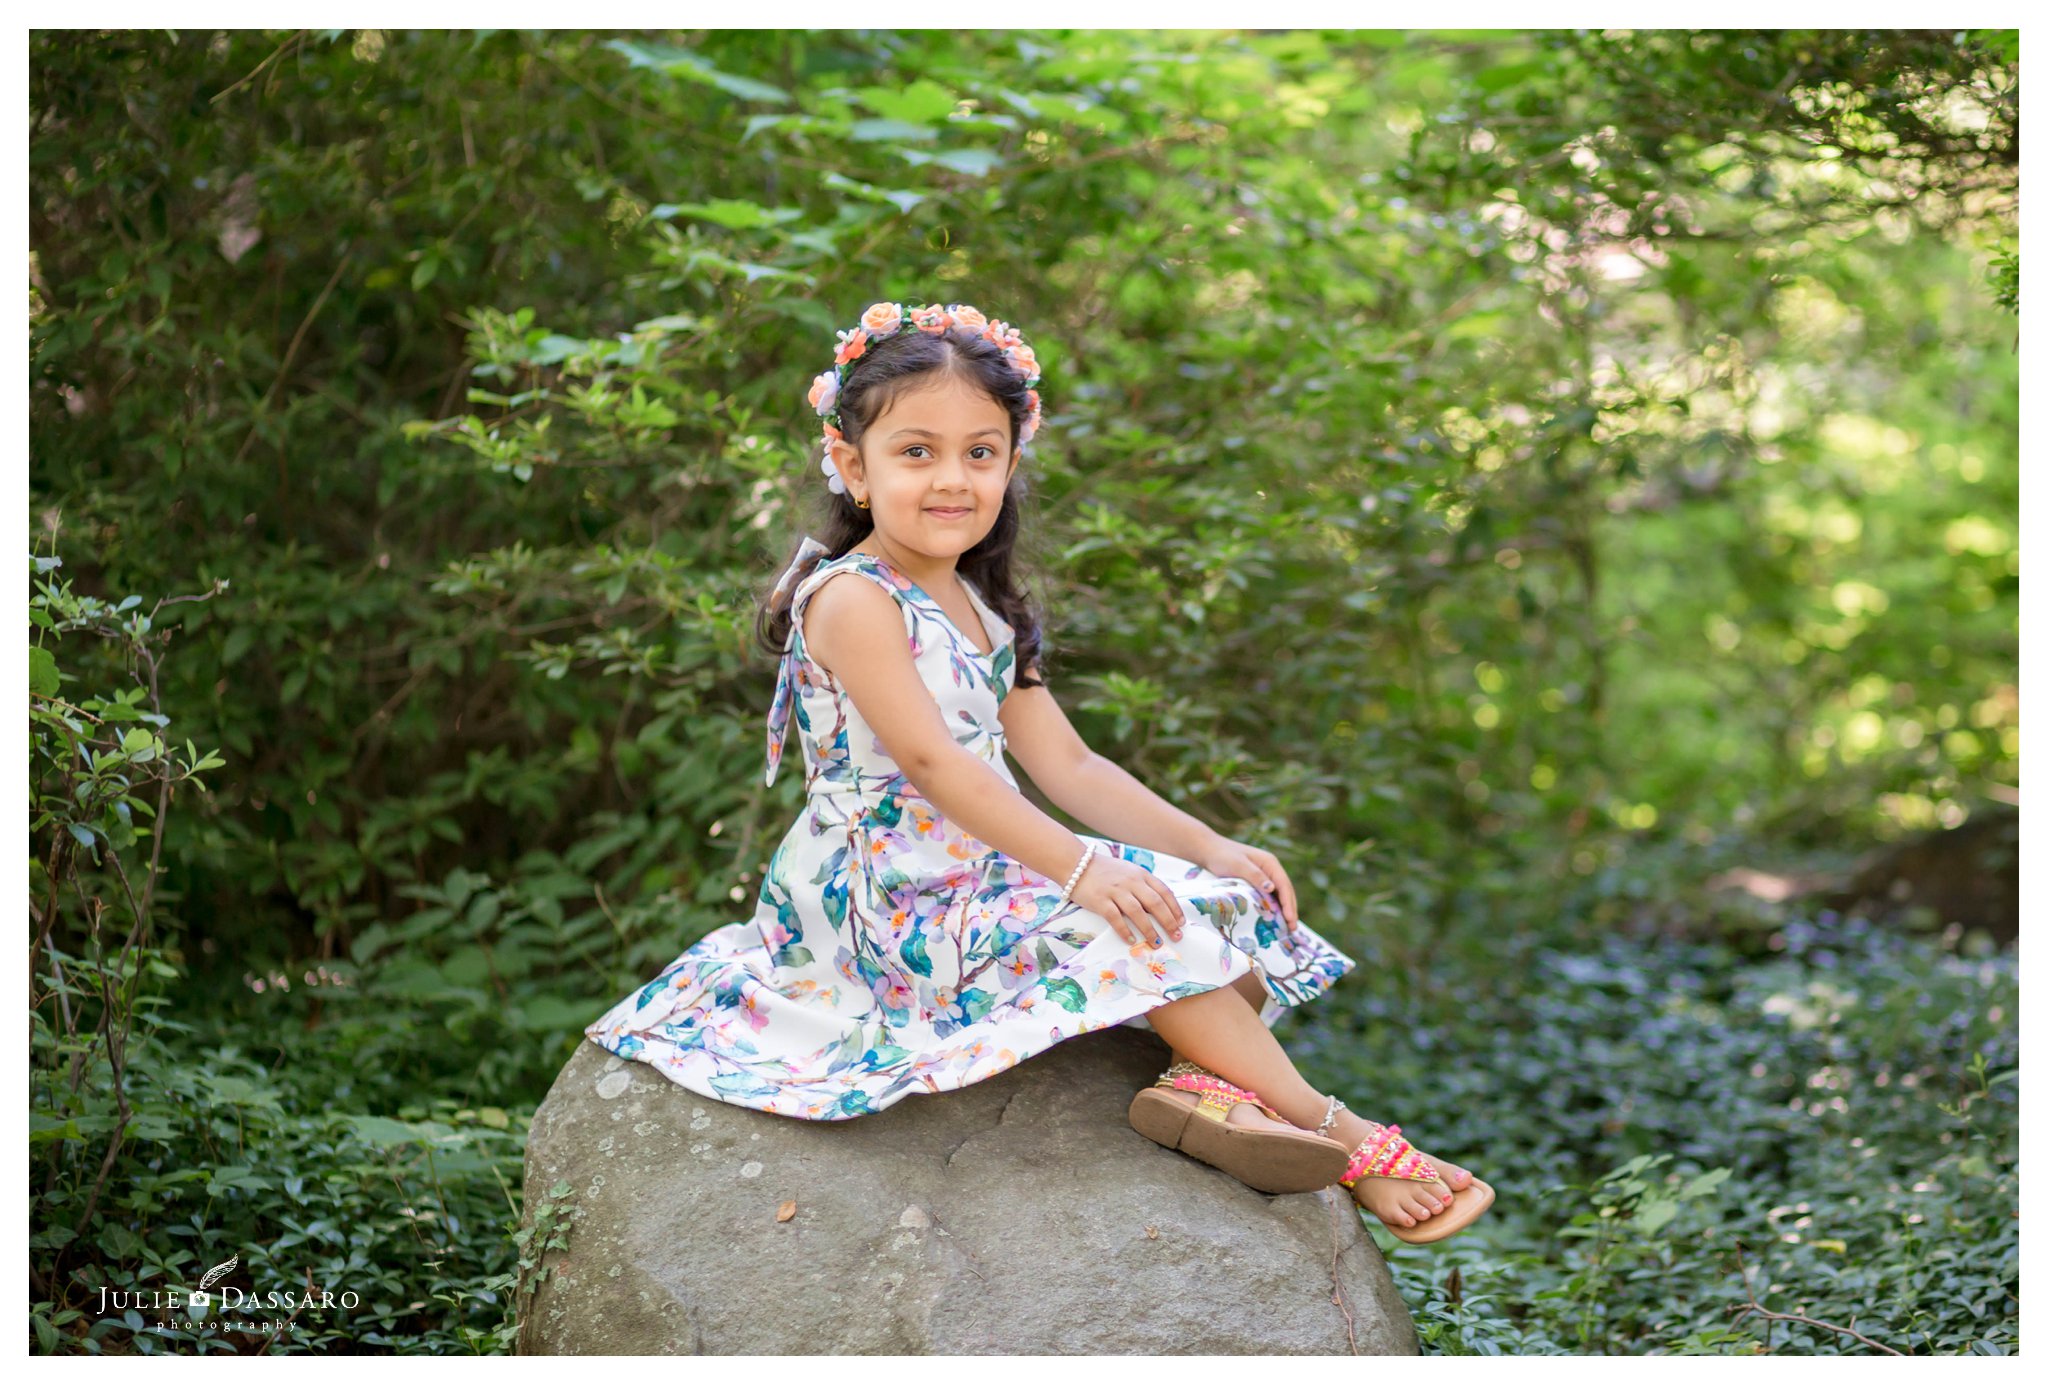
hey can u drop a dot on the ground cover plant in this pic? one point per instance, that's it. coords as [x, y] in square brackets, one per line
[1517, 478]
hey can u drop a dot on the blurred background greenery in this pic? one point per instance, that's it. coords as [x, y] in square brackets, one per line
[1557, 489]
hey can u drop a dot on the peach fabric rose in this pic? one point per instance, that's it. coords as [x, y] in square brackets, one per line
[882, 318]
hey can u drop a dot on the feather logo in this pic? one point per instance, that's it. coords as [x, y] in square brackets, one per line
[199, 1297]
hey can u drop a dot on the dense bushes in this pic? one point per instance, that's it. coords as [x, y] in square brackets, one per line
[1504, 476]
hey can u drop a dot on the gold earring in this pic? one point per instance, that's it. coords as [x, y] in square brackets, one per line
[862, 503]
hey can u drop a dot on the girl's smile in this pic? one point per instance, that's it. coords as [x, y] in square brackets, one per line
[933, 468]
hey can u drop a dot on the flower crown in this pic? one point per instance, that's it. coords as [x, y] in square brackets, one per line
[883, 320]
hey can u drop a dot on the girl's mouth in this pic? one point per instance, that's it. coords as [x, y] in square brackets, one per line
[950, 513]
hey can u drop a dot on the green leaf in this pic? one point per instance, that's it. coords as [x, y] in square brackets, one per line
[1505, 75]
[758, 123]
[917, 104]
[671, 61]
[386, 1133]
[974, 162]
[43, 1128]
[1484, 325]
[670, 322]
[732, 213]
[1633, 1166]
[902, 198]
[1705, 1183]
[552, 1014]
[872, 131]
[42, 672]
[1654, 1214]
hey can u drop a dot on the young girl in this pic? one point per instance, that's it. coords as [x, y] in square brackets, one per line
[923, 925]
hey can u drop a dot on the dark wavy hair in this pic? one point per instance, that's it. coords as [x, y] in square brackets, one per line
[890, 368]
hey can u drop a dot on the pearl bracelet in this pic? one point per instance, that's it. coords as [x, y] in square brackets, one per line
[1068, 889]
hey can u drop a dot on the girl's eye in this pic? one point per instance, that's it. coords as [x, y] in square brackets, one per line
[981, 447]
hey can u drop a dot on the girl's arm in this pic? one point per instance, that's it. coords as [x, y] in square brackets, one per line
[883, 681]
[1094, 790]
[854, 630]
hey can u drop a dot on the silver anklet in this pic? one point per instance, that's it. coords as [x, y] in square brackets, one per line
[1330, 1116]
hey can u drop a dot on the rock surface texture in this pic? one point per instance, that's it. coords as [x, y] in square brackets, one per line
[1018, 1216]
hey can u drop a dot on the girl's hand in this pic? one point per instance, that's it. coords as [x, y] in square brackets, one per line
[1136, 902]
[1257, 865]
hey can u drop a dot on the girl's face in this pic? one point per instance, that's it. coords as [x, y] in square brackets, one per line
[933, 467]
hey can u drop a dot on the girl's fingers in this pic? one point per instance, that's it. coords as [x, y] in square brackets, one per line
[1282, 890]
[1116, 921]
[1142, 920]
[1285, 895]
[1164, 909]
[1147, 913]
[1167, 908]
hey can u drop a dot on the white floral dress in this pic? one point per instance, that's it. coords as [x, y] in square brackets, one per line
[889, 952]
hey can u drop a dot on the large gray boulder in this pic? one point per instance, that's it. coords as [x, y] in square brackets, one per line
[1019, 1216]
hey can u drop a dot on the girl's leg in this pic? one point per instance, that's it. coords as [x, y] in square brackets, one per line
[1254, 992]
[1222, 1031]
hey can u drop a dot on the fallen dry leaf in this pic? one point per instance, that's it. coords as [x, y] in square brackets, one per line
[1152, 1233]
[786, 1210]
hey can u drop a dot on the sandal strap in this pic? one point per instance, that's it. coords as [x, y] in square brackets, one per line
[1386, 1153]
[1217, 1096]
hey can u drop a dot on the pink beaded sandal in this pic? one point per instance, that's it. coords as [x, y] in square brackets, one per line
[1272, 1161]
[1386, 1154]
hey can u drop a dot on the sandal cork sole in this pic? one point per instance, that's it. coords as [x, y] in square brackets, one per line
[1467, 1205]
[1272, 1161]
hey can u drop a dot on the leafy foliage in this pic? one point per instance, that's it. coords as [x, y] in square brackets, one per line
[1828, 1121]
[1509, 475]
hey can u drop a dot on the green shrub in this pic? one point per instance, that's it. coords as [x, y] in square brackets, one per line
[1509, 477]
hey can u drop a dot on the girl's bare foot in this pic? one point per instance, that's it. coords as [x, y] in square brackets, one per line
[1459, 1179]
[1399, 1201]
